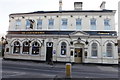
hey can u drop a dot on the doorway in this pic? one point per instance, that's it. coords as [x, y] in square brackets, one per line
[78, 55]
[49, 50]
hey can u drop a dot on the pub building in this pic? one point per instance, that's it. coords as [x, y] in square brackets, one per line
[77, 36]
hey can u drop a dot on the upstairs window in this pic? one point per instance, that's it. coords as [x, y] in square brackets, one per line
[107, 24]
[39, 24]
[29, 24]
[64, 23]
[78, 24]
[50, 23]
[18, 24]
[93, 24]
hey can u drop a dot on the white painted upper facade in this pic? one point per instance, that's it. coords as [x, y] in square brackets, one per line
[19, 21]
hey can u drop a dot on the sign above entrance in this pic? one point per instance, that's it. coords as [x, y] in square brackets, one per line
[49, 44]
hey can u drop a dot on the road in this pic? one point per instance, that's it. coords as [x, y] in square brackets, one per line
[29, 69]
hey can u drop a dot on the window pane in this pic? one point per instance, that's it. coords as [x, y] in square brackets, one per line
[78, 21]
[109, 50]
[93, 21]
[94, 49]
[26, 47]
[35, 48]
[51, 24]
[16, 48]
[18, 23]
[107, 24]
[64, 24]
[64, 21]
[63, 48]
[29, 24]
[39, 24]
[93, 24]
[78, 24]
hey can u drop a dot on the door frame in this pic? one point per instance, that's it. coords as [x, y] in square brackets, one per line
[79, 55]
[49, 51]
[80, 46]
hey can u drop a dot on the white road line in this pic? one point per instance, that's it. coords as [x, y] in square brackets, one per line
[103, 68]
[14, 73]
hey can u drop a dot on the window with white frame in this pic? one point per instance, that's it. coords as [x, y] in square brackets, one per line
[39, 24]
[78, 24]
[107, 24]
[50, 23]
[29, 24]
[94, 50]
[109, 49]
[63, 48]
[16, 47]
[18, 24]
[35, 48]
[26, 47]
[93, 24]
[64, 23]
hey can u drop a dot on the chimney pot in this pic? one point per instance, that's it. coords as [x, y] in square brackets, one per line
[78, 5]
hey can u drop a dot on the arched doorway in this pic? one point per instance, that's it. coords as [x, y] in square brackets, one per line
[78, 52]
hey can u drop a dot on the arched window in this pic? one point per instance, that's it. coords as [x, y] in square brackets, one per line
[26, 47]
[94, 50]
[16, 47]
[63, 48]
[35, 48]
[109, 50]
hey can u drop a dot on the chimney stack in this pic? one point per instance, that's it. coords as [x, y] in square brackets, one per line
[60, 5]
[102, 6]
[78, 6]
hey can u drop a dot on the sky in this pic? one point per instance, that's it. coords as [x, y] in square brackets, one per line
[23, 6]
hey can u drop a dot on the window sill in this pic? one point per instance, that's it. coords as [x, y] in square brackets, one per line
[62, 55]
[108, 57]
[93, 57]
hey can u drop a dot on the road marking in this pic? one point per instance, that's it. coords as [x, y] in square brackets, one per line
[104, 68]
[14, 74]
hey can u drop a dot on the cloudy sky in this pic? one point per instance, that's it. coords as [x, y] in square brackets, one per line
[23, 6]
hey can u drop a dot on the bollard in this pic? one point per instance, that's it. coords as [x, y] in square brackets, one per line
[68, 70]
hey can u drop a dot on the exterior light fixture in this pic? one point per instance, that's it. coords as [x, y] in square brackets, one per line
[86, 42]
[29, 41]
[71, 42]
[79, 39]
[43, 42]
[116, 44]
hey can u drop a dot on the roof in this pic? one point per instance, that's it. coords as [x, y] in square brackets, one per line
[63, 11]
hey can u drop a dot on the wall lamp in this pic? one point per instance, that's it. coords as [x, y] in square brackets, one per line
[79, 40]
[43, 42]
[116, 44]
